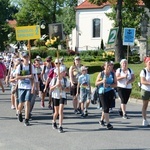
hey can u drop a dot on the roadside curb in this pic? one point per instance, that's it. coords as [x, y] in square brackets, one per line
[133, 100]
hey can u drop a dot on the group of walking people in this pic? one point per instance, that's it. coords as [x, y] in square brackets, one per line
[54, 79]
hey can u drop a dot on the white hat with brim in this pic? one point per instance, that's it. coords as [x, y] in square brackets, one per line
[61, 69]
[84, 68]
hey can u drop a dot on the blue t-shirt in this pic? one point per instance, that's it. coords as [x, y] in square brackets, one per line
[109, 80]
[84, 80]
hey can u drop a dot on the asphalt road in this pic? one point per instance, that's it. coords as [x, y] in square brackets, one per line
[80, 133]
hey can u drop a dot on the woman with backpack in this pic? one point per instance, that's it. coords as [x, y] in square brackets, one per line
[145, 89]
[106, 81]
[125, 77]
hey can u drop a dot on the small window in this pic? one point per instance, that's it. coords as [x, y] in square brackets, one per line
[96, 28]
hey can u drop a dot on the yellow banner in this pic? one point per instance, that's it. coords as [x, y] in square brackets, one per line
[28, 33]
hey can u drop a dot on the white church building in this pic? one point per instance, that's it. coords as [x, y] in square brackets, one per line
[92, 26]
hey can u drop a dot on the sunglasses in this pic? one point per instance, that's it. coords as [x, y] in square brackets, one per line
[57, 63]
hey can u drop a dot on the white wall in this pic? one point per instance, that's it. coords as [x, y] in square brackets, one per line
[83, 32]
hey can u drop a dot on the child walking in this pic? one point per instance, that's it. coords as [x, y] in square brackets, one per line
[59, 85]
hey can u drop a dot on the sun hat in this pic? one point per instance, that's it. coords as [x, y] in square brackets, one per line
[57, 60]
[83, 68]
[61, 69]
[24, 54]
[77, 57]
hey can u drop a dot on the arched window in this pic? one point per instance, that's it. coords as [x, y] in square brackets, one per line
[96, 27]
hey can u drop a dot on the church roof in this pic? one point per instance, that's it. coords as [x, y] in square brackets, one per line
[88, 5]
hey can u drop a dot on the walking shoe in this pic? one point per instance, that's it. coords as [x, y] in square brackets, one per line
[79, 111]
[145, 123]
[60, 129]
[50, 107]
[120, 112]
[85, 113]
[125, 116]
[26, 122]
[12, 107]
[42, 104]
[54, 125]
[20, 117]
[76, 111]
[110, 110]
[102, 123]
[109, 126]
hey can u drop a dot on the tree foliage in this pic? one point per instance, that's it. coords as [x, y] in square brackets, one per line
[7, 12]
[123, 13]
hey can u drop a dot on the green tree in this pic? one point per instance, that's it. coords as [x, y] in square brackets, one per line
[7, 12]
[51, 11]
[129, 11]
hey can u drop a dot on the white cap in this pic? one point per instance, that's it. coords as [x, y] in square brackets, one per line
[57, 60]
[61, 69]
[83, 68]
[38, 57]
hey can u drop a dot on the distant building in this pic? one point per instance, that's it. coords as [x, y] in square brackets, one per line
[92, 25]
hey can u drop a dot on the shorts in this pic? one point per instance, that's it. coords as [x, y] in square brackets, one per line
[73, 90]
[24, 95]
[84, 95]
[57, 102]
[145, 95]
[42, 86]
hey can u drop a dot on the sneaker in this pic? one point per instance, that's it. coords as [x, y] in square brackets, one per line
[42, 104]
[120, 112]
[86, 113]
[60, 129]
[54, 125]
[79, 111]
[145, 123]
[12, 107]
[50, 107]
[83, 115]
[110, 110]
[109, 126]
[125, 116]
[26, 122]
[102, 123]
[76, 111]
[20, 117]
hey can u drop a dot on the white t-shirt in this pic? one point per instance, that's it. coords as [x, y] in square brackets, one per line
[56, 93]
[147, 77]
[25, 83]
[122, 83]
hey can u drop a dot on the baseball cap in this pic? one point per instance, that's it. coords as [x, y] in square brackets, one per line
[62, 69]
[84, 68]
[38, 57]
[49, 58]
[146, 59]
[57, 60]
[77, 57]
[25, 54]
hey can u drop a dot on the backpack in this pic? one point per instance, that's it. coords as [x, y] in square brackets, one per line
[128, 69]
[21, 67]
[139, 83]
[112, 73]
[95, 95]
[65, 81]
